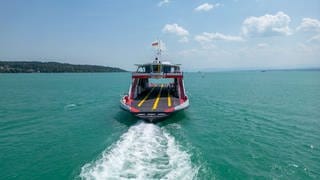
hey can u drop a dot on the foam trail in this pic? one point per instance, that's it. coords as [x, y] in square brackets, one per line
[146, 151]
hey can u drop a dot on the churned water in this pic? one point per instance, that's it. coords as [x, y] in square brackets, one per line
[240, 125]
[146, 151]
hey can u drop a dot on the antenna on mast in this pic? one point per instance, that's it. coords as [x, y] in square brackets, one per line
[158, 51]
[159, 47]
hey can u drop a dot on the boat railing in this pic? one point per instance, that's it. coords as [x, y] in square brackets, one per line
[157, 75]
[170, 72]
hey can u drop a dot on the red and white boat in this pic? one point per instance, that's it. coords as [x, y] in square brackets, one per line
[157, 90]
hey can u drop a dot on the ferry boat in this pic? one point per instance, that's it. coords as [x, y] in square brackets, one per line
[157, 90]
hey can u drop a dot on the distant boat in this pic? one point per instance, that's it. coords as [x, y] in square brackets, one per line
[157, 90]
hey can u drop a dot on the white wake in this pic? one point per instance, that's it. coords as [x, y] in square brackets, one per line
[146, 151]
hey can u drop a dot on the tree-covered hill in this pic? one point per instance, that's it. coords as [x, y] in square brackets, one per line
[51, 67]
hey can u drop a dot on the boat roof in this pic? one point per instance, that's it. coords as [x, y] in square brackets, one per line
[157, 63]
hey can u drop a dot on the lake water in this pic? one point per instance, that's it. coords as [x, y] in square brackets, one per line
[239, 125]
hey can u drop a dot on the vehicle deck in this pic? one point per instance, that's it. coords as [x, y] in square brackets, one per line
[156, 99]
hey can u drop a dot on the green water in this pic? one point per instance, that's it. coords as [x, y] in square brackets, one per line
[240, 125]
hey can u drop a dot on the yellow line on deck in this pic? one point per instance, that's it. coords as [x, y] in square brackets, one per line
[145, 98]
[156, 102]
[169, 99]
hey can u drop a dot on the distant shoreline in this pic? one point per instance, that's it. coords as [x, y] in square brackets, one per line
[253, 70]
[52, 67]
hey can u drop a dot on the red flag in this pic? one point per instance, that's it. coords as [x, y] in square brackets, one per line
[155, 44]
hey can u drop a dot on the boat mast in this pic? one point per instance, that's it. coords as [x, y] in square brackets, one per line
[158, 51]
[159, 48]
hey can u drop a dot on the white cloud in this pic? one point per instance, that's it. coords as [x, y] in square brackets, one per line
[175, 29]
[184, 40]
[309, 24]
[267, 25]
[206, 7]
[189, 52]
[262, 45]
[163, 2]
[204, 37]
[315, 39]
[309, 49]
[209, 37]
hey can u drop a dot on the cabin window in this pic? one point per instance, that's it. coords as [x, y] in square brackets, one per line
[141, 69]
[156, 68]
[166, 69]
[148, 69]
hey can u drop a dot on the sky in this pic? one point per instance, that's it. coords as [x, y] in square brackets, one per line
[199, 34]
